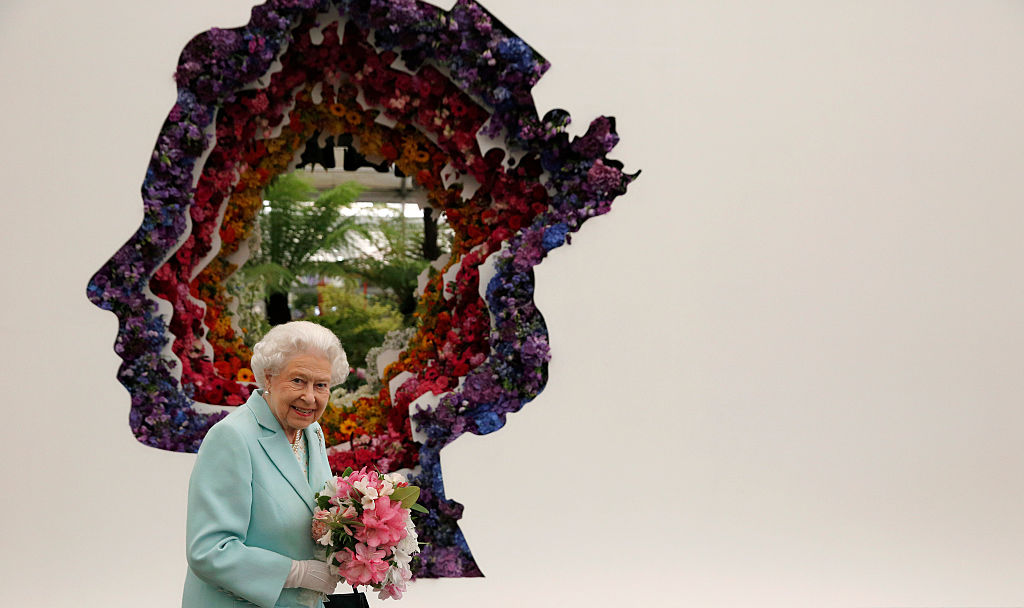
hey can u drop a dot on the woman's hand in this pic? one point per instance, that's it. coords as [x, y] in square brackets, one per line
[312, 574]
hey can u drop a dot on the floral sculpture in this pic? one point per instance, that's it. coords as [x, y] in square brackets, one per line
[445, 97]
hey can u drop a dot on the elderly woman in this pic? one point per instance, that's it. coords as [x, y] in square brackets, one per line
[250, 498]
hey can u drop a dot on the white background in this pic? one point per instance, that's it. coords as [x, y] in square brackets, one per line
[787, 365]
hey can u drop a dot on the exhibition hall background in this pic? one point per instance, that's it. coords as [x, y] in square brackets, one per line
[786, 366]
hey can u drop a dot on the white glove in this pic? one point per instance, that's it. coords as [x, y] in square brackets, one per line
[312, 574]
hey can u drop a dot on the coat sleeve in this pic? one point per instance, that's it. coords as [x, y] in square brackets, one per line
[219, 506]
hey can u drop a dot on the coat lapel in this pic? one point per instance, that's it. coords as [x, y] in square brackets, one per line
[319, 472]
[279, 449]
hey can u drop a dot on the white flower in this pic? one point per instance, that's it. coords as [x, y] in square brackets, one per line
[386, 488]
[408, 546]
[369, 493]
[410, 543]
[406, 575]
[325, 540]
[330, 488]
[395, 478]
[400, 558]
[397, 577]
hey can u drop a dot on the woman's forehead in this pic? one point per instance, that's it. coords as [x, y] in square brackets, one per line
[308, 364]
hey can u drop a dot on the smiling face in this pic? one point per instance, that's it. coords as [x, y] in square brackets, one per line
[298, 394]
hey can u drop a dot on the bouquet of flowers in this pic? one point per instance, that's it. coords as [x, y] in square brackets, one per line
[363, 521]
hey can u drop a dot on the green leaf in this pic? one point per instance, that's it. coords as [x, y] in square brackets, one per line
[347, 472]
[419, 508]
[407, 495]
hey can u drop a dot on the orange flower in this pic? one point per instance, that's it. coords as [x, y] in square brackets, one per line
[245, 375]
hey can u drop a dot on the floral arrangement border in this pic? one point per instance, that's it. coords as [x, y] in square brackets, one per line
[480, 359]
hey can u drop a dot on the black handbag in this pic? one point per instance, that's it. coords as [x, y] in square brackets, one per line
[346, 600]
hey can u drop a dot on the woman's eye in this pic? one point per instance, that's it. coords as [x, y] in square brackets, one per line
[298, 381]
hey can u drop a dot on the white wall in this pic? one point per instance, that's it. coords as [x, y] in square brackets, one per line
[787, 364]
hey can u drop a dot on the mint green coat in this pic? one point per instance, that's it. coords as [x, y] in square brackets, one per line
[250, 511]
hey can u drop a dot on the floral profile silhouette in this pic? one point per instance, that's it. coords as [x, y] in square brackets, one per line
[444, 96]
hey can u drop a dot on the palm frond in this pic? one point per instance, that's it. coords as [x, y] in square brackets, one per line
[275, 276]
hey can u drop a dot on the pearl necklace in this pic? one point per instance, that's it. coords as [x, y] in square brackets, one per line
[299, 449]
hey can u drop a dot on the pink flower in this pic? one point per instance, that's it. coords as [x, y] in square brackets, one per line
[390, 591]
[394, 583]
[384, 525]
[320, 529]
[358, 481]
[342, 491]
[363, 567]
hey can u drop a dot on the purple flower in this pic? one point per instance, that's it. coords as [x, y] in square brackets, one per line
[535, 350]
[603, 179]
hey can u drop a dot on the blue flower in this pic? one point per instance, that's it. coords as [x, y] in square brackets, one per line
[488, 422]
[517, 53]
[554, 236]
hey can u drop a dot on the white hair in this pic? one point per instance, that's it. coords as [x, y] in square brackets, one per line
[282, 342]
